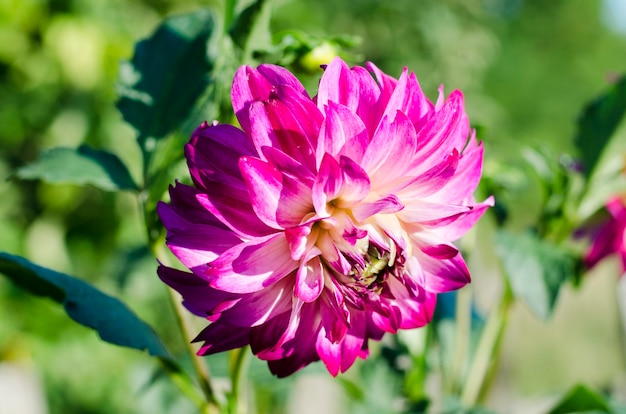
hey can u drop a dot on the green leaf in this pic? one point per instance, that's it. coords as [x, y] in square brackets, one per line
[167, 74]
[113, 321]
[598, 122]
[250, 31]
[536, 269]
[581, 399]
[81, 166]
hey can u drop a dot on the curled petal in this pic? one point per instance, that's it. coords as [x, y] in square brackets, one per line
[385, 205]
[310, 279]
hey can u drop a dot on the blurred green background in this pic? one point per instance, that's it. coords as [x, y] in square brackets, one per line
[526, 68]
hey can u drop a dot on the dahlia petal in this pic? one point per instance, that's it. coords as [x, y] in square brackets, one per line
[386, 83]
[430, 182]
[328, 185]
[369, 94]
[200, 244]
[287, 121]
[465, 180]
[356, 182]
[213, 151]
[420, 211]
[264, 338]
[385, 205]
[342, 131]
[408, 98]
[257, 308]
[251, 266]
[335, 315]
[304, 352]
[184, 209]
[218, 337]
[414, 311]
[288, 166]
[391, 150]
[279, 201]
[454, 230]
[309, 279]
[249, 85]
[198, 297]
[443, 275]
[277, 75]
[445, 130]
[339, 356]
[232, 207]
[298, 240]
[336, 85]
[285, 345]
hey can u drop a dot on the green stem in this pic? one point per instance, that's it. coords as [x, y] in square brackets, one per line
[463, 318]
[239, 358]
[487, 351]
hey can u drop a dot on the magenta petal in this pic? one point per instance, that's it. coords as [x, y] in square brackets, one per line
[200, 244]
[391, 150]
[415, 310]
[277, 75]
[257, 308]
[430, 182]
[356, 182]
[232, 207]
[408, 98]
[198, 296]
[454, 230]
[342, 130]
[443, 275]
[444, 131]
[386, 83]
[280, 201]
[300, 352]
[298, 240]
[309, 280]
[339, 356]
[386, 205]
[213, 151]
[465, 180]
[248, 86]
[441, 251]
[287, 121]
[219, 338]
[337, 86]
[433, 213]
[251, 266]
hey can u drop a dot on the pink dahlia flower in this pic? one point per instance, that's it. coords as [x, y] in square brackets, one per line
[323, 222]
[610, 237]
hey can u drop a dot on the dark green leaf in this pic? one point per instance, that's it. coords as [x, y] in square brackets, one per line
[581, 399]
[250, 30]
[598, 122]
[536, 269]
[167, 74]
[84, 165]
[113, 321]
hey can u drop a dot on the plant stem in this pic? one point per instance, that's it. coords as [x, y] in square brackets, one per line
[463, 318]
[487, 351]
[239, 357]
